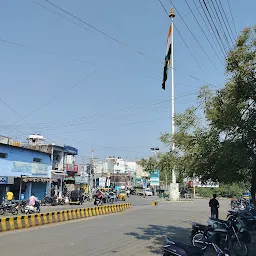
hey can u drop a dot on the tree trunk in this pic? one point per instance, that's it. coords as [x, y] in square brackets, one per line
[253, 187]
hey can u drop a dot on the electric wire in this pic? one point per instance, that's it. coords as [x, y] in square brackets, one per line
[232, 16]
[225, 20]
[203, 32]
[213, 35]
[216, 30]
[218, 21]
[200, 45]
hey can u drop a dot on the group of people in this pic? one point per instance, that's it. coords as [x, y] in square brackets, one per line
[33, 201]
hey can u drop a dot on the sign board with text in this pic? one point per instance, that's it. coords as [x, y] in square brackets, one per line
[154, 178]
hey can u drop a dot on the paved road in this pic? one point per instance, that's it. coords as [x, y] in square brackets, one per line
[135, 200]
[137, 231]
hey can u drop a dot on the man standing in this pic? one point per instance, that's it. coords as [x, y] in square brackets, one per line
[9, 197]
[214, 204]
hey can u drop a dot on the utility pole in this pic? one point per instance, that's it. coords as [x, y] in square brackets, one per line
[90, 174]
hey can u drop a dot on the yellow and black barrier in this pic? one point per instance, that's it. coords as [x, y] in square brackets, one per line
[33, 220]
[154, 203]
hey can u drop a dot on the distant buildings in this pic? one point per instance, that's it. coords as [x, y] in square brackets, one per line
[42, 167]
[117, 172]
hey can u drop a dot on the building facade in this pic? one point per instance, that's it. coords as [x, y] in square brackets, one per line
[33, 167]
[115, 172]
[63, 166]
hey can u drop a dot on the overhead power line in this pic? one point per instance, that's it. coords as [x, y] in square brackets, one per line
[218, 21]
[117, 40]
[78, 24]
[209, 28]
[215, 31]
[232, 16]
[120, 114]
[202, 48]
[225, 20]
[198, 23]
[53, 98]
[102, 32]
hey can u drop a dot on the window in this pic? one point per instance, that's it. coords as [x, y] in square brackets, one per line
[37, 160]
[3, 155]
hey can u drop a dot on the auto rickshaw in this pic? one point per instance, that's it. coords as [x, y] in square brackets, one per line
[121, 195]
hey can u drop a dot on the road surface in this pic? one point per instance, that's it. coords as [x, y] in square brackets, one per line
[136, 231]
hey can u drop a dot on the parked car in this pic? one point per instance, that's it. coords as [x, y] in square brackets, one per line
[148, 192]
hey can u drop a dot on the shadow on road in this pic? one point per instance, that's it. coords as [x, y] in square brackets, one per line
[157, 234]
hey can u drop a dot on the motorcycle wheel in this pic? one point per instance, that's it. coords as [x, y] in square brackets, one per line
[1, 211]
[111, 201]
[239, 248]
[14, 211]
[198, 240]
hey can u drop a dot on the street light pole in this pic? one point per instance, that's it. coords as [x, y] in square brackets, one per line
[154, 150]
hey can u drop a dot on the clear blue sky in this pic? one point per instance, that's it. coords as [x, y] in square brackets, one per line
[121, 109]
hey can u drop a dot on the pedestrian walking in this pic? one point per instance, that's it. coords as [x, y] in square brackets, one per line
[214, 205]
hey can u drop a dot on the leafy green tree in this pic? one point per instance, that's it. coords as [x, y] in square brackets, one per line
[222, 146]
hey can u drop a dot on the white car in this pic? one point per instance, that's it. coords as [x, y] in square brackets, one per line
[148, 192]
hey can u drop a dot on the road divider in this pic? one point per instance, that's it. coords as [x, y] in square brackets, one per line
[27, 221]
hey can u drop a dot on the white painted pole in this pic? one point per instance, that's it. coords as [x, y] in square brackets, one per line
[172, 15]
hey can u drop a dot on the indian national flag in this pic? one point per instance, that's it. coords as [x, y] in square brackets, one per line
[167, 56]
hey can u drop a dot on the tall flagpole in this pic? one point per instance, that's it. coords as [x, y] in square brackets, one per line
[172, 15]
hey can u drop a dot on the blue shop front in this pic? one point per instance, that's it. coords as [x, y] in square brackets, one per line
[31, 166]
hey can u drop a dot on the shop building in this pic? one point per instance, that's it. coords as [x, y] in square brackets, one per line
[31, 166]
[63, 166]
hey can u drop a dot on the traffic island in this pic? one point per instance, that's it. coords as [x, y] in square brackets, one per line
[33, 220]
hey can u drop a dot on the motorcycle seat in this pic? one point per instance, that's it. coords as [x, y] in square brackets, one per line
[190, 250]
[220, 230]
[200, 226]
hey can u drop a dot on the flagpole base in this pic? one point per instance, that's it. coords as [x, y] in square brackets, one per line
[174, 192]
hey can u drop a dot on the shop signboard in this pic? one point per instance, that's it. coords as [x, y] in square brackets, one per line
[102, 182]
[81, 180]
[30, 169]
[6, 180]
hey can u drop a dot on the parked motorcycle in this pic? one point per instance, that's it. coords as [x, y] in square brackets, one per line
[98, 201]
[226, 234]
[49, 200]
[172, 248]
[23, 204]
[112, 198]
[246, 218]
[9, 208]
